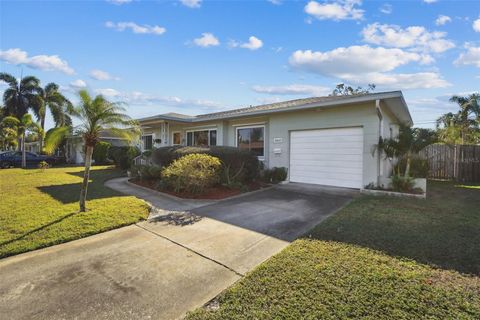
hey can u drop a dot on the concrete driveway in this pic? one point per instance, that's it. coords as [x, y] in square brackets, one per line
[182, 257]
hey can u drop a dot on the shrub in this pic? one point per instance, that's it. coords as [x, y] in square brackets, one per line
[146, 172]
[418, 167]
[100, 152]
[42, 165]
[238, 166]
[192, 173]
[275, 174]
[402, 184]
[123, 156]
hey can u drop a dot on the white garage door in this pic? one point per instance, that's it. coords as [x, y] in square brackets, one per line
[327, 156]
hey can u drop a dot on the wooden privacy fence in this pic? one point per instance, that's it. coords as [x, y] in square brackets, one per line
[453, 162]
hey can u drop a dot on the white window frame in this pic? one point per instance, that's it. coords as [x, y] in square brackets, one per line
[197, 130]
[261, 158]
[143, 142]
[173, 143]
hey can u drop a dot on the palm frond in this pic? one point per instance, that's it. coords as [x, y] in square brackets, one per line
[54, 138]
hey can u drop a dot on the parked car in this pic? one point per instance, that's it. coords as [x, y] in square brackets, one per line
[14, 159]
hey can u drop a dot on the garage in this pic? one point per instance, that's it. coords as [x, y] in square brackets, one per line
[331, 157]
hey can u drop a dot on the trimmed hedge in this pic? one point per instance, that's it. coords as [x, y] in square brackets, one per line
[100, 152]
[238, 166]
[123, 156]
[192, 173]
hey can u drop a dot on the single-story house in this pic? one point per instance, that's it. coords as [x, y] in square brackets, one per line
[322, 140]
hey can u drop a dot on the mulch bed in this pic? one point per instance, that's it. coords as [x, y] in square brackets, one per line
[213, 193]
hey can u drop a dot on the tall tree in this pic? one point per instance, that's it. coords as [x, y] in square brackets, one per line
[463, 126]
[96, 114]
[24, 125]
[19, 97]
[51, 98]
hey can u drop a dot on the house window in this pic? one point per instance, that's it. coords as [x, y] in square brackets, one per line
[202, 138]
[177, 138]
[147, 142]
[252, 139]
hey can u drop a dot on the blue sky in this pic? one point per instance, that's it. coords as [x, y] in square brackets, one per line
[194, 56]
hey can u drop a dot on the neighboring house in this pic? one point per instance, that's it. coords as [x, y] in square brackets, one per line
[32, 147]
[74, 146]
[325, 140]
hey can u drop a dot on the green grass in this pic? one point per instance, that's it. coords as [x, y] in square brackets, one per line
[40, 208]
[378, 258]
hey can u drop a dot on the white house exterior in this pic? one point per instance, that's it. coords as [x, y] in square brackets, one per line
[324, 140]
[75, 147]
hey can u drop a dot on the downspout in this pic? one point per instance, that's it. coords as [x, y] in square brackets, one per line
[380, 135]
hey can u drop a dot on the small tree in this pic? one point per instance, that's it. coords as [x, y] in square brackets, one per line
[96, 114]
[409, 142]
[344, 90]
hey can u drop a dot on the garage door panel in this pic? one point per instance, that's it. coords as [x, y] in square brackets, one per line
[333, 157]
[327, 156]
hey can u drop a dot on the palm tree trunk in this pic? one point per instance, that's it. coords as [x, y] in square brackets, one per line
[24, 154]
[407, 168]
[40, 136]
[86, 176]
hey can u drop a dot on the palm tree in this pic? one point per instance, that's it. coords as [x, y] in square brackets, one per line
[50, 97]
[23, 125]
[463, 126]
[96, 115]
[410, 141]
[19, 96]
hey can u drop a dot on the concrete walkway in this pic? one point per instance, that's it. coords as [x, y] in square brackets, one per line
[183, 256]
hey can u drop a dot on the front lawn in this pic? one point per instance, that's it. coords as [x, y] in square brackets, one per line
[40, 208]
[378, 258]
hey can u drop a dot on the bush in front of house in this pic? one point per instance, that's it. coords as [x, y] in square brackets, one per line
[402, 183]
[237, 166]
[418, 167]
[100, 152]
[146, 172]
[275, 174]
[192, 173]
[123, 156]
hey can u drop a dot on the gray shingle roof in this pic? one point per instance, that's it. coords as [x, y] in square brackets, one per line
[277, 106]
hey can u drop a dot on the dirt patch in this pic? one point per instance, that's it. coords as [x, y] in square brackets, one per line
[212, 193]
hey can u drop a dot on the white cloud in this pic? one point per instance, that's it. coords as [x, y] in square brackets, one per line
[293, 89]
[429, 1]
[414, 37]
[191, 3]
[470, 57]
[276, 2]
[253, 43]
[364, 64]
[42, 62]
[476, 25]
[206, 40]
[108, 92]
[354, 59]
[335, 10]
[102, 75]
[421, 80]
[142, 99]
[386, 8]
[135, 28]
[442, 19]
[78, 84]
[119, 2]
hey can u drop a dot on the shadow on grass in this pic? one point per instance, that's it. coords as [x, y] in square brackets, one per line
[38, 229]
[443, 230]
[70, 193]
